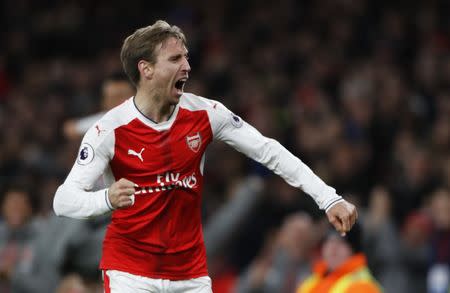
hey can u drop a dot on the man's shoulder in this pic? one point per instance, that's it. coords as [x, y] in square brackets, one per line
[118, 115]
[113, 119]
[217, 112]
[194, 102]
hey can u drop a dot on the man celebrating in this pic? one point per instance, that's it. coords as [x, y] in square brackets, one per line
[150, 151]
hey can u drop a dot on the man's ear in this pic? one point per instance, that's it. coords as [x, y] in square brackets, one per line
[145, 69]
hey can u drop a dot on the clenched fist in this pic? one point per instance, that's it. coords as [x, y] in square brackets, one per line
[121, 193]
[342, 216]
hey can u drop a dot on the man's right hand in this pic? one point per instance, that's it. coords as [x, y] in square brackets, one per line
[121, 194]
[342, 216]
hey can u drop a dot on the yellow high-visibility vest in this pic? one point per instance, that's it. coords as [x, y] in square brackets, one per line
[361, 276]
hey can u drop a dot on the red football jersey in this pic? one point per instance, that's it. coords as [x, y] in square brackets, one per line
[160, 235]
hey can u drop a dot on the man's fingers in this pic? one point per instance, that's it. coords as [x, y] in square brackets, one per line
[337, 224]
[343, 216]
[121, 193]
[341, 224]
[128, 191]
[354, 216]
[125, 183]
[125, 201]
[345, 223]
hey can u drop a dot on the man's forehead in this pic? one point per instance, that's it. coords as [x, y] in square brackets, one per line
[171, 45]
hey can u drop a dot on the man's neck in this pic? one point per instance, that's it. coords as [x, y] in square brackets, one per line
[153, 106]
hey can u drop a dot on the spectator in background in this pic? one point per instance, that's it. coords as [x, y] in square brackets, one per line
[382, 242]
[439, 272]
[285, 260]
[115, 89]
[58, 246]
[415, 249]
[224, 227]
[16, 232]
[343, 268]
[72, 284]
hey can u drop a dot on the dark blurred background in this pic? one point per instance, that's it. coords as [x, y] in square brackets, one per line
[358, 90]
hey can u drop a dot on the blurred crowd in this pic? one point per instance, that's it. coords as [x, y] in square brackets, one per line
[358, 90]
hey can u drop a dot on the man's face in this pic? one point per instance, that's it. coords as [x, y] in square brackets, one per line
[16, 209]
[335, 251]
[171, 70]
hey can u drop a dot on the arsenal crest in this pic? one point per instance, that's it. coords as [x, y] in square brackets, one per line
[194, 142]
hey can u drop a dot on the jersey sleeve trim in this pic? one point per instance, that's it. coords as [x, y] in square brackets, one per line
[333, 202]
[108, 202]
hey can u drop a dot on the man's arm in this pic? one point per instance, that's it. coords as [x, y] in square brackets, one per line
[243, 137]
[74, 198]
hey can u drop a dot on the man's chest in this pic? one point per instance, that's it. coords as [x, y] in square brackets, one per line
[141, 151]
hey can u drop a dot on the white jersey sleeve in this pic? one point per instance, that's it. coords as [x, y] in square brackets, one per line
[74, 197]
[231, 129]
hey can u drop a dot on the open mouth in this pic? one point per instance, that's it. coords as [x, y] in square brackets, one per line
[179, 85]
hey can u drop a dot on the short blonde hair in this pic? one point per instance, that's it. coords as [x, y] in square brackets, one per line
[142, 43]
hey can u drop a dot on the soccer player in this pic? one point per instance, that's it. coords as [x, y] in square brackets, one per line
[150, 150]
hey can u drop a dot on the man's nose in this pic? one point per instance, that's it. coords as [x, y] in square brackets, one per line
[186, 67]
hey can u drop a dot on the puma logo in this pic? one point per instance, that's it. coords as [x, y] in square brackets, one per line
[134, 153]
[99, 130]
